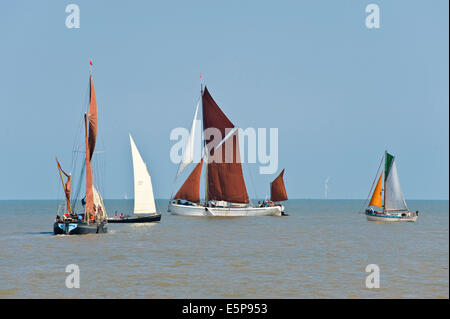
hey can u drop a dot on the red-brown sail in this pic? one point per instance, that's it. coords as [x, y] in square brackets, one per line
[89, 193]
[92, 115]
[213, 117]
[190, 190]
[66, 185]
[225, 178]
[277, 189]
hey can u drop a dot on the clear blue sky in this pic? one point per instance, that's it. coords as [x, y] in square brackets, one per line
[339, 93]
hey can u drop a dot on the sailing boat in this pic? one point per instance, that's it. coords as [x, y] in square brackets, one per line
[94, 218]
[226, 193]
[144, 201]
[394, 207]
[278, 192]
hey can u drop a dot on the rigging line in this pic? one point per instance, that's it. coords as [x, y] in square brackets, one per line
[371, 188]
[75, 200]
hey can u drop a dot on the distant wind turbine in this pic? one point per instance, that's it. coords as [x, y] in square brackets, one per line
[326, 187]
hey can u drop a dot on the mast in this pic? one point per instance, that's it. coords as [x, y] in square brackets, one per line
[205, 152]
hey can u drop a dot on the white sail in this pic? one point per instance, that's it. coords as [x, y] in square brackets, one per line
[394, 199]
[144, 201]
[98, 201]
[188, 154]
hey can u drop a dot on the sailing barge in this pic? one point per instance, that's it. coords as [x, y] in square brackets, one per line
[144, 200]
[94, 218]
[226, 193]
[389, 205]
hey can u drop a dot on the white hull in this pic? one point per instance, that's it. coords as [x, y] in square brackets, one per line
[390, 218]
[198, 210]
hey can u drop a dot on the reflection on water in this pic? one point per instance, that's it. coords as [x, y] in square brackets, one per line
[319, 251]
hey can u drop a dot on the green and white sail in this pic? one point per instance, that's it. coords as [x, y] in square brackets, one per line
[144, 201]
[393, 195]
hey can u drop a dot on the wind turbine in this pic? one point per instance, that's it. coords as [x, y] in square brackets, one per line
[326, 187]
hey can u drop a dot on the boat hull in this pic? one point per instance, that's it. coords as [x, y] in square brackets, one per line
[136, 219]
[197, 210]
[73, 228]
[390, 218]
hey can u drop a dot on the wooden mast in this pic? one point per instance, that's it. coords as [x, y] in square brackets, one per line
[205, 153]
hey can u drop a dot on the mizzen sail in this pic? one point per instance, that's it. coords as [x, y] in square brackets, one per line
[277, 189]
[144, 201]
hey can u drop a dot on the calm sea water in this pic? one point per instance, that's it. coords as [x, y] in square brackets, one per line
[319, 251]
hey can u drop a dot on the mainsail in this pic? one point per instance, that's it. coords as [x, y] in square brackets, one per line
[144, 201]
[225, 177]
[92, 116]
[376, 196]
[89, 206]
[277, 189]
[190, 190]
[90, 146]
[393, 195]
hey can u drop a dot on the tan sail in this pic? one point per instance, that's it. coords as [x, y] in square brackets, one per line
[66, 185]
[376, 197]
[190, 190]
[277, 189]
[93, 119]
[225, 178]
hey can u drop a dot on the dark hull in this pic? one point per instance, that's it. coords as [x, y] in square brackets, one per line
[136, 219]
[68, 228]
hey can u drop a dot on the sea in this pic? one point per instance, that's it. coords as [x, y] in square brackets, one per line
[321, 250]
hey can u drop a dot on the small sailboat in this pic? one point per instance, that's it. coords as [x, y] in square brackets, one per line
[226, 193]
[144, 201]
[393, 207]
[94, 218]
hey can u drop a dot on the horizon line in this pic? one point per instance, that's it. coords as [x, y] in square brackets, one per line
[328, 199]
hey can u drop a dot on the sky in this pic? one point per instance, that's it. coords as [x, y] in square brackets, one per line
[339, 93]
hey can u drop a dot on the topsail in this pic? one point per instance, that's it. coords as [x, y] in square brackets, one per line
[188, 154]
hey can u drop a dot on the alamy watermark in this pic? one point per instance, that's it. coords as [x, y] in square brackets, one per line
[73, 19]
[373, 17]
[373, 279]
[73, 279]
[251, 146]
